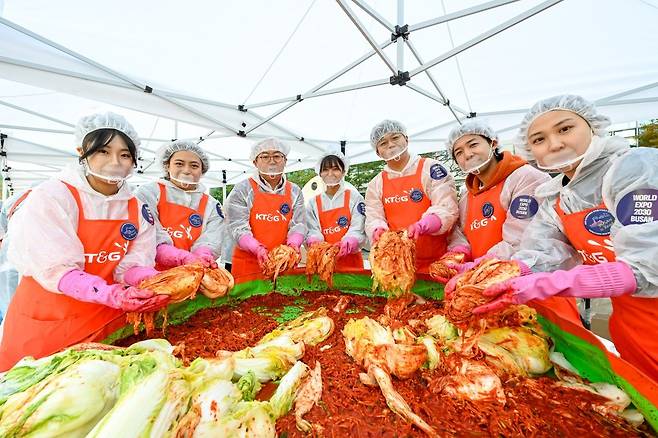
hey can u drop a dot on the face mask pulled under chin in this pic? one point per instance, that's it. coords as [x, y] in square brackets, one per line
[395, 154]
[477, 163]
[109, 174]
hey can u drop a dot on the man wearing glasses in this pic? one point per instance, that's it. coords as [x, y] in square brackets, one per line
[264, 210]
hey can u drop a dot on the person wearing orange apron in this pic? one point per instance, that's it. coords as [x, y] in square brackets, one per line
[498, 205]
[596, 233]
[189, 222]
[74, 240]
[337, 215]
[412, 193]
[264, 211]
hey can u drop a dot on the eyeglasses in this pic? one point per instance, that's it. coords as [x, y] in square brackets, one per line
[276, 157]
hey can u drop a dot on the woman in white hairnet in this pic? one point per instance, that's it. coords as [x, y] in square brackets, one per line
[595, 235]
[75, 240]
[498, 205]
[337, 216]
[189, 222]
[265, 210]
[412, 193]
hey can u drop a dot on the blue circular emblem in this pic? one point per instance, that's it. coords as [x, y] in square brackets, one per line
[128, 231]
[416, 195]
[219, 211]
[524, 207]
[361, 208]
[437, 171]
[195, 220]
[487, 209]
[146, 214]
[342, 222]
[285, 208]
[599, 222]
[638, 207]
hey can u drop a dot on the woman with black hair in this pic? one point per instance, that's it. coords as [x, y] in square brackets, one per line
[337, 216]
[76, 239]
[498, 204]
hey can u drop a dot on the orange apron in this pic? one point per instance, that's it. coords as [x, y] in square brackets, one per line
[40, 323]
[634, 320]
[18, 202]
[183, 224]
[404, 202]
[269, 219]
[485, 217]
[334, 224]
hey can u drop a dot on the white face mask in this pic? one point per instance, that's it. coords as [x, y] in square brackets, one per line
[110, 174]
[270, 169]
[332, 180]
[476, 164]
[394, 154]
[562, 161]
[185, 181]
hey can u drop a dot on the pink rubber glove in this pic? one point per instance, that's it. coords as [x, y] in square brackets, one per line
[461, 268]
[456, 250]
[428, 224]
[170, 256]
[295, 240]
[461, 249]
[251, 244]
[137, 274]
[347, 245]
[206, 256]
[310, 241]
[605, 280]
[81, 286]
[377, 234]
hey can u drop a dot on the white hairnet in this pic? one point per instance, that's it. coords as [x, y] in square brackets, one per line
[106, 120]
[170, 149]
[474, 127]
[336, 153]
[386, 127]
[269, 144]
[567, 102]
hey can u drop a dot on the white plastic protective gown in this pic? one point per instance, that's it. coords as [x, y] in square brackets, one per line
[520, 183]
[239, 202]
[212, 229]
[620, 177]
[441, 191]
[8, 274]
[43, 235]
[357, 223]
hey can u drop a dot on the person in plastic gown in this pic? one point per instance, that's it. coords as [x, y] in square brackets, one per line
[75, 240]
[189, 222]
[412, 193]
[498, 204]
[8, 274]
[265, 210]
[596, 232]
[337, 216]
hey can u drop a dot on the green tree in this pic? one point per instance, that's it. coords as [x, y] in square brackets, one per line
[301, 177]
[648, 135]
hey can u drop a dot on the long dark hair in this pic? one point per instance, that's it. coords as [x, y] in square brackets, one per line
[332, 161]
[99, 139]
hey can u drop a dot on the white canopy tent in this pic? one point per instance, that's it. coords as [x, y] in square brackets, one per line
[316, 73]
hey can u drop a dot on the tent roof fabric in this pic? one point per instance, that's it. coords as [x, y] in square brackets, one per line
[313, 73]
